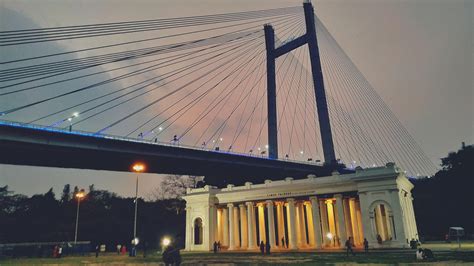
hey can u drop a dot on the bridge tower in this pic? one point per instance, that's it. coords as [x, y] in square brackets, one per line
[321, 104]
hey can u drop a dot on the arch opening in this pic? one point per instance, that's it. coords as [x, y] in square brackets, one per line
[383, 220]
[198, 231]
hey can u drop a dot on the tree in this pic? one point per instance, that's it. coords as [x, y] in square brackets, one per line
[66, 196]
[444, 200]
[174, 186]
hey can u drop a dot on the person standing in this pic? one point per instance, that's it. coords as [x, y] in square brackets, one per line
[215, 247]
[286, 241]
[267, 248]
[349, 247]
[97, 251]
[262, 247]
[366, 245]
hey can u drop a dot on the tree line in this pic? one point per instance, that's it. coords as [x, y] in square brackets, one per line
[105, 218]
[440, 201]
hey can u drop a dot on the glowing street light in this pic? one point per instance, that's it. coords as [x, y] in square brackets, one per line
[74, 115]
[166, 241]
[79, 195]
[137, 168]
[329, 236]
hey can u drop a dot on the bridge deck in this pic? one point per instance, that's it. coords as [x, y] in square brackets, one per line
[22, 144]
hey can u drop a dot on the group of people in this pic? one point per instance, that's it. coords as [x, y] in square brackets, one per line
[171, 255]
[57, 251]
[424, 254]
[350, 244]
[121, 249]
[217, 246]
[264, 248]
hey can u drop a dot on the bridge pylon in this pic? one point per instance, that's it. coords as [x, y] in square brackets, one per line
[321, 103]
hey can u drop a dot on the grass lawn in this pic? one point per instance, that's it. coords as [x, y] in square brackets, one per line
[444, 255]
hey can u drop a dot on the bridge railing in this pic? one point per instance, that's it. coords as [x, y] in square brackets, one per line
[146, 141]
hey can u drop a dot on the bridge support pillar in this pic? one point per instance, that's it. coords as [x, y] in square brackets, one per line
[318, 83]
[271, 93]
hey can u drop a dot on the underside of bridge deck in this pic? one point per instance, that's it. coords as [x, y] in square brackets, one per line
[29, 146]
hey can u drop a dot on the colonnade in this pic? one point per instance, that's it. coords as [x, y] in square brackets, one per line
[290, 223]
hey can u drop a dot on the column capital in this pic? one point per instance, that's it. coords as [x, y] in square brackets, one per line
[269, 202]
[249, 203]
[279, 203]
[230, 205]
[313, 198]
[290, 200]
[338, 196]
[241, 205]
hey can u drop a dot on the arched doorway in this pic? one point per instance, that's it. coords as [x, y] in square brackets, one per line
[198, 231]
[383, 222]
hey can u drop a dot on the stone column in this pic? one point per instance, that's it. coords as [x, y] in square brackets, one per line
[243, 226]
[212, 227]
[261, 223]
[341, 221]
[291, 213]
[354, 220]
[405, 216]
[365, 220]
[300, 225]
[379, 222]
[347, 220]
[251, 226]
[412, 215]
[309, 218]
[271, 224]
[231, 226]
[225, 231]
[299, 242]
[324, 223]
[281, 223]
[359, 221]
[236, 227]
[316, 222]
[189, 231]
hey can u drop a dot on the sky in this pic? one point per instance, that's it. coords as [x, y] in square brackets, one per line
[418, 55]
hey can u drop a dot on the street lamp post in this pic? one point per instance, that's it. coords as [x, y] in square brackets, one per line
[79, 196]
[137, 168]
[74, 115]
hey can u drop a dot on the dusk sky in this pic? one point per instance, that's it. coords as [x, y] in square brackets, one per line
[418, 55]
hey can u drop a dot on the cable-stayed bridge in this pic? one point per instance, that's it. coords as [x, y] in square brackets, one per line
[219, 94]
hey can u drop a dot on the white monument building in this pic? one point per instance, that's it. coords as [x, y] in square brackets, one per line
[311, 213]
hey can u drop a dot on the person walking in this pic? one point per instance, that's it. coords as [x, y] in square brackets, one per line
[219, 245]
[267, 248]
[286, 241]
[283, 242]
[366, 245]
[96, 251]
[349, 247]
[215, 247]
[262, 247]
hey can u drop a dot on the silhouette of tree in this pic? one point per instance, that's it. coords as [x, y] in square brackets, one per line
[444, 200]
[66, 196]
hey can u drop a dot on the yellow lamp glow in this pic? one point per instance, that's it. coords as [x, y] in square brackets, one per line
[166, 241]
[138, 167]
